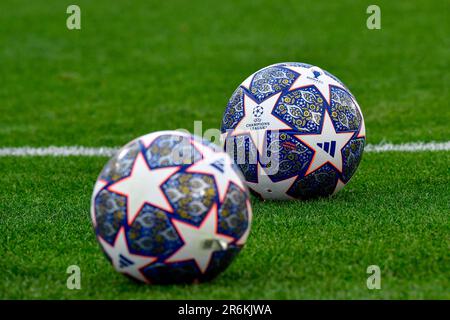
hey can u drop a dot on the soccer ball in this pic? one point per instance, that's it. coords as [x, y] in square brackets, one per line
[170, 208]
[295, 131]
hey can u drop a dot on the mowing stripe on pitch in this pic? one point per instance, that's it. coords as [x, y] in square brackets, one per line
[108, 152]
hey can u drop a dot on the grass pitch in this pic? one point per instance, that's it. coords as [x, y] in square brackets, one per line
[145, 66]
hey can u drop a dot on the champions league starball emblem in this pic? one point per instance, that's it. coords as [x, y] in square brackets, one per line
[170, 208]
[295, 131]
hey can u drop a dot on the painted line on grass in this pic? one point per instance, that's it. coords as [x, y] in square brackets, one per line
[58, 151]
[108, 152]
[408, 147]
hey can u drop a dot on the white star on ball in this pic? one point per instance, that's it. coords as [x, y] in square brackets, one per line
[327, 145]
[199, 242]
[124, 261]
[257, 126]
[269, 189]
[314, 76]
[142, 186]
[219, 165]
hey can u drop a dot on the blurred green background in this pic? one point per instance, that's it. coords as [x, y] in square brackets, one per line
[140, 66]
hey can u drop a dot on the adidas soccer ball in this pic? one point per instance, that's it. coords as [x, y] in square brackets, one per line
[295, 131]
[170, 208]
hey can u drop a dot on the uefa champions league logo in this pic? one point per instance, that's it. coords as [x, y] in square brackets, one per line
[316, 74]
[258, 111]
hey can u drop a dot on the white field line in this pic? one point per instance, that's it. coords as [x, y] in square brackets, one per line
[108, 152]
[58, 151]
[408, 147]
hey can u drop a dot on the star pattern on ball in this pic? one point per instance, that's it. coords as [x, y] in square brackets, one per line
[327, 145]
[196, 240]
[148, 139]
[97, 187]
[269, 189]
[339, 185]
[123, 260]
[256, 126]
[142, 186]
[362, 130]
[362, 127]
[218, 165]
[223, 139]
[243, 239]
[312, 77]
[248, 81]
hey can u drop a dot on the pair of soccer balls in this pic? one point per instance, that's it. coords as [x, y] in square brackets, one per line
[170, 207]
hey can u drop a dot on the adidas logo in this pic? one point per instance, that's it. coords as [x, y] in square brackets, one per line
[124, 262]
[328, 147]
[219, 165]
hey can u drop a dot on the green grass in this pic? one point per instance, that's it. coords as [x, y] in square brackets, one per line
[134, 67]
[393, 214]
[142, 66]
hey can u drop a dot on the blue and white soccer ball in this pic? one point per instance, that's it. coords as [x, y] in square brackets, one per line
[295, 131]
[170, 208]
